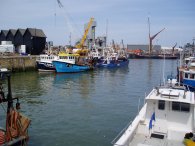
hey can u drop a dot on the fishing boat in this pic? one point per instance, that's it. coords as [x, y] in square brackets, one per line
[167, 118]
[112, 62]
[186, 73]
[15, 132]
[112, 58]
[66, 63]
[44, 63]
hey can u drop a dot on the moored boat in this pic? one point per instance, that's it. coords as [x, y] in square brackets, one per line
[186, 73]
[16, 131]
[67, 63]
[112, 62]
[166, 118]
[112, 58]
[44, 63]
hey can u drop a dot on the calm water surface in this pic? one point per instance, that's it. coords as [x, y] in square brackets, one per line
[85, 109]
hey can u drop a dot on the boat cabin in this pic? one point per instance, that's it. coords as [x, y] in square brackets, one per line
[166, 117]
[46, 58]
[189, 74]
[68, 58]
[174, 114]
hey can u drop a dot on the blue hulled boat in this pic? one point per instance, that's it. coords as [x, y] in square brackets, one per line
[109, 57]
[67, 63]
[186, 73]
[112, 63]
[187, 78]
[112, 60]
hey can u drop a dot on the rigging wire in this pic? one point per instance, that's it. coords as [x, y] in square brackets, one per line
[69, 20]
[3, 107]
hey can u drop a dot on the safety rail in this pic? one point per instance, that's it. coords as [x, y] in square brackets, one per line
[120, 134]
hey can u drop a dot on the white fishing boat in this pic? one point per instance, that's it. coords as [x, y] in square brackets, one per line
[44, 63]
[165, 119]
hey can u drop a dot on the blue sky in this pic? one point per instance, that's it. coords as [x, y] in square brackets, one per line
[127, 19]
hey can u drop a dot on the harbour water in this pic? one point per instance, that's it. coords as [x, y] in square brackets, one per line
[89, 108]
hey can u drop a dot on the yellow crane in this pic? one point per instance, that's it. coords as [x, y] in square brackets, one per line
[80, 45]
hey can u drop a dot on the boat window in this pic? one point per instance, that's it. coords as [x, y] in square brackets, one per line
[178, 106]
[186, 75]
[161, 104]
[185, 107]
[191, 76]
[175, 106]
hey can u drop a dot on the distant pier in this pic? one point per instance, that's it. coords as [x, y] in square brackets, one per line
[18, 63]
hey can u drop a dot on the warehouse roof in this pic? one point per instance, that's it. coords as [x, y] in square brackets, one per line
[36, 32]
[12, 31]
[22, 31]
[5, 32]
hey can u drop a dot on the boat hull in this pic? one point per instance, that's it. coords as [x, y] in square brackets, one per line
[113, 64]
[45, 67]
[190, 84]
[136, 56]
[63, 67]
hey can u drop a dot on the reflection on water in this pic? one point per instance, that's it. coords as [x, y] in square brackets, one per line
[88, 108]
[80, 83]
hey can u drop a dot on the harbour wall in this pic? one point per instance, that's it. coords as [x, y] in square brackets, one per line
[18, 63]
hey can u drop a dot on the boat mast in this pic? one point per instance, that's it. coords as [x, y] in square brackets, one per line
[173, 49]
[150, 43]
[106, 31]
[152, 37]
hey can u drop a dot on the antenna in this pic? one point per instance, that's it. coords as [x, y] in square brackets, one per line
[149, 26]
[164, 69]
[193, 45]
[70, 39]
[106, 31]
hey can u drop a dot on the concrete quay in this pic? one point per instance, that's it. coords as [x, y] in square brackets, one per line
[18, 63]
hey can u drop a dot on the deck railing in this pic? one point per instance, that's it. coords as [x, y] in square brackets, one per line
[120, 134]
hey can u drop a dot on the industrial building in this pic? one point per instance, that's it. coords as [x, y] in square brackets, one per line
[91, 34]
[33, 39]
[144, 48]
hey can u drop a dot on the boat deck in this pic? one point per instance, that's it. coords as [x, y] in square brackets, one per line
[143, 140]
